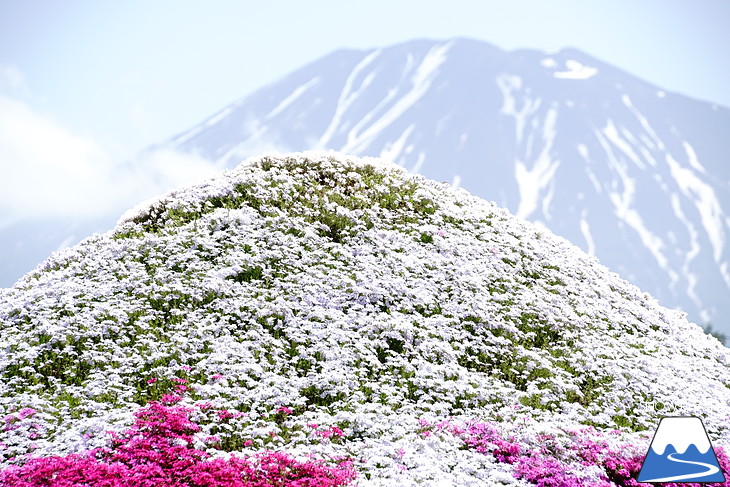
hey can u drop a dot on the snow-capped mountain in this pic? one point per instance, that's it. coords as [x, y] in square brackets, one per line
[629, 172]
[331, 307]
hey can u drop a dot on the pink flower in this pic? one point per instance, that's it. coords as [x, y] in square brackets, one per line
[152, 380]
[158, 450]
[170, 399]
[331, 432]
[285, 410]
[225, 414]
[26, 413]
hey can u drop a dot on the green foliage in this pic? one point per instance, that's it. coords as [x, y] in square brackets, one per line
[247, 275]
[541, 334]
[318, 397]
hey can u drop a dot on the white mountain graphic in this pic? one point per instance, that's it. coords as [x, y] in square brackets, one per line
[681, 432]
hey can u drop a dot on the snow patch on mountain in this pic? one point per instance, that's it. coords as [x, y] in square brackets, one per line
[421, 81]
[348, 96]
[298, 92]
[393, 150]
[694, 249]
[509, 85]
[692, 157]
[572, 69]
[656, 141]
[576, 70]
[585, 229]
[706, 202]
[208, 123]
[612, 134]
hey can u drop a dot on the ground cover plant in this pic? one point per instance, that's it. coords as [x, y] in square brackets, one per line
[158, 450]
[349, 320]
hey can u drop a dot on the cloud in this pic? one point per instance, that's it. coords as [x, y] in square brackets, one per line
[163, 170]
[49, 171]
[12, 80]
[46, 169]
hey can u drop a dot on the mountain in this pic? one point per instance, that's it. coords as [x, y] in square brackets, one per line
[632, 174]
[28, 241]
[629, 172]
[332, 306]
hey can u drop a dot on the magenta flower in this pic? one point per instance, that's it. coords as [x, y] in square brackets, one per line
[170, 399]
[332, 432]
[224, 414]
[157, 451]
[26, 413]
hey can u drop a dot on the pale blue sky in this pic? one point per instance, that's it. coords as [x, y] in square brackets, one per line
[132, 73]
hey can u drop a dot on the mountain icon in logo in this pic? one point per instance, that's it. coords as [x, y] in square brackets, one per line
[681, 452]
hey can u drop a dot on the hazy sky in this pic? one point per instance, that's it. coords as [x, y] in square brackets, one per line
[87, 84]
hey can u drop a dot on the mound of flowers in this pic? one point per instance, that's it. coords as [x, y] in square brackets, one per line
[323, 304]
[158, 450]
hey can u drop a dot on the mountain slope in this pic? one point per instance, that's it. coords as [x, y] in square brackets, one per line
[359, 297]
[630, 173]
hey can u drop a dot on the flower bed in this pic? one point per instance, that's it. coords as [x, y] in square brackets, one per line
[158, 451]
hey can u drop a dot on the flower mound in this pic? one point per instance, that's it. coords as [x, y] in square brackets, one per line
[321, 304]
[157, 451]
